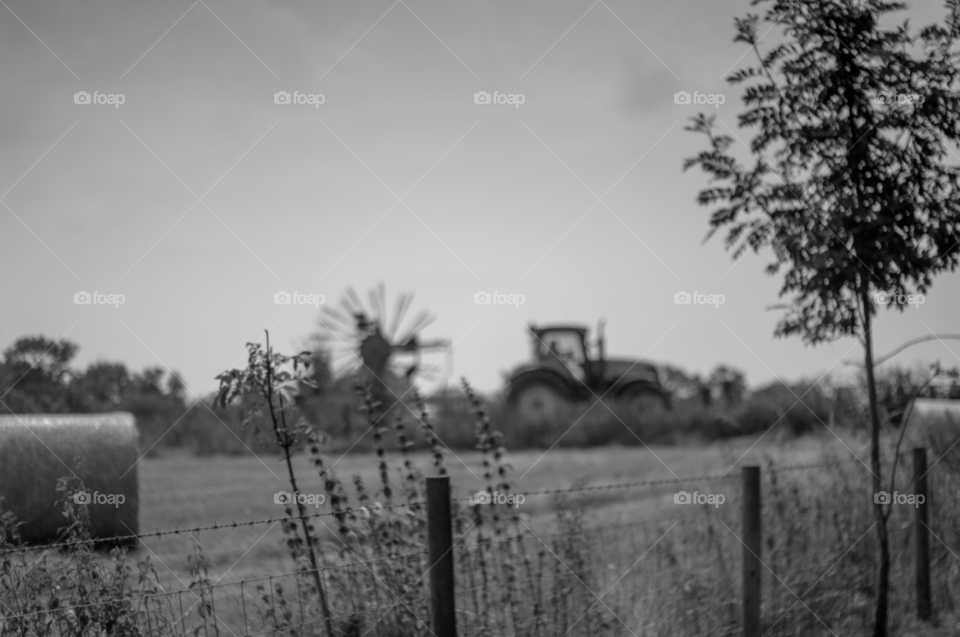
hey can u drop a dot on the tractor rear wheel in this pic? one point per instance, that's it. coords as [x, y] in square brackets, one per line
[537, 402]
[642, 401]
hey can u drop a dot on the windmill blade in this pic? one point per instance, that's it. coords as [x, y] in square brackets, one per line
[355, 317]
[339, 347]
[350, 319]
[352, 367]
[421, 324]
[361, 316]
[399, 311]
[343, 360]
[330, 342]
[347, 307]
[407, 333]
[375, 306]
[423, 319]
[339, 337]
[338, 317]
[355, 305]
[382, 304]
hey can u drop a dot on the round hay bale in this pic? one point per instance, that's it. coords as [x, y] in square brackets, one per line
[36, 450]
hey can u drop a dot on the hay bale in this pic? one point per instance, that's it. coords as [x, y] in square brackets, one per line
[106, 444]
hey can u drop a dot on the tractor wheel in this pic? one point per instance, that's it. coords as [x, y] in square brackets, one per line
[537, 402]
[642, 401]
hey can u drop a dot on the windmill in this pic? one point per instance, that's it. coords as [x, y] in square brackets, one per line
[377, 348]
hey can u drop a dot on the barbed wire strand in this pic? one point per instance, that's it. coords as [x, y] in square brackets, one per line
[366, 511]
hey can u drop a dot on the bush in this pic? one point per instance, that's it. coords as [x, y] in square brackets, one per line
[585, 425]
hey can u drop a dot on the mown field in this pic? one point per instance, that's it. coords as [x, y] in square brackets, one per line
[179, 490]
[672, 569]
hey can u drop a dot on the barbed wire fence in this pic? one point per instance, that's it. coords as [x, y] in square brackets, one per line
[579, 574]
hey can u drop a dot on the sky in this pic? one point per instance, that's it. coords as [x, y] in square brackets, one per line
[197, 197]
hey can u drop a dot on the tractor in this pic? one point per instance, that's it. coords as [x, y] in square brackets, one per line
[561, 372]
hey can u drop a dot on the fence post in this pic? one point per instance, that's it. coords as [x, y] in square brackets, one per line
[921, 531]
[440, 543]
[751, 551]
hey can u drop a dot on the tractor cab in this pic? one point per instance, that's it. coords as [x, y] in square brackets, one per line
[563, 346]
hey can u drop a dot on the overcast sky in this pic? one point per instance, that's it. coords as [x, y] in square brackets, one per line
[199, 198]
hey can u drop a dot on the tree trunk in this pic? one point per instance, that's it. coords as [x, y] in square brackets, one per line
[883, 569]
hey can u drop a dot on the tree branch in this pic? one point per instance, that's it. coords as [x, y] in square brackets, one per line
[916, 341]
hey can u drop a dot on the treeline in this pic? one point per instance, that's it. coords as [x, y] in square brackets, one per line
[37, 376]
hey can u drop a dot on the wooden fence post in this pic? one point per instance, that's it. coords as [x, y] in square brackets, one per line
[751, 551]
[440, 544]
[922, 533]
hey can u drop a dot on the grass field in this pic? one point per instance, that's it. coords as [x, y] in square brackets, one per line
[668, 565]
[184, 491]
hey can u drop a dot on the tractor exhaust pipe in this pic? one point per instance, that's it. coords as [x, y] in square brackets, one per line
[601, 341]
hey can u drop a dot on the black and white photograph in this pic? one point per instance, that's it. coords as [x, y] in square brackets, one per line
[479, 318]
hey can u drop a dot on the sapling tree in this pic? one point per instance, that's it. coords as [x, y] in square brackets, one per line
[266, 387]
[849, 181]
